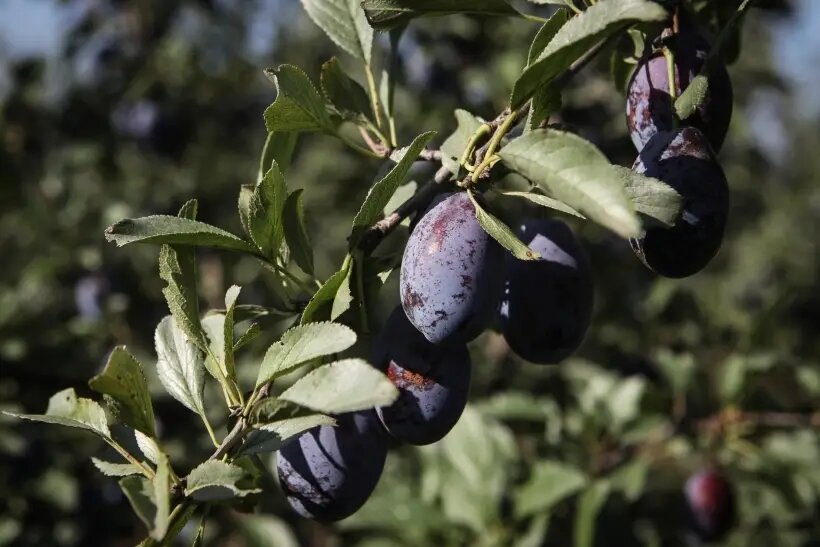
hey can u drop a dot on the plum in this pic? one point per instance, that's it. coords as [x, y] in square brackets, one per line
[329, 472]
[684, 160]
[547, 303]
[450, 275]
[649, 108]
[710, 502]
[433, 382]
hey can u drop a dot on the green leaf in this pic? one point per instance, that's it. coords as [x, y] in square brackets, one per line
[158, 229]
[630, 479]
[545, 102]
[387, 82]
[327, 292]
[545, 201]
[298, 105]
[265, 531]
[162, 498]
[65, 408]
[502, 233]
[385, 14]
[215, 480]
[577, 36]
[148, 446]
[546, 33]
[345, 94]
[180, 366]
[296, 234]
[123, 381]
[344, 386]
[265, 208]
[575, 172]
[697, 90]
[650, 196]
[214, 327]
[279, 147]
[140, 494]
[343, 298]
[230, 305]
[177, 267]
[453, 147]
[589, 505]
[344, 22]
[550, 482]
[112, 469]
[383, 190]
[302, 344]
[402, 194]
[253, 331]
[273, 436]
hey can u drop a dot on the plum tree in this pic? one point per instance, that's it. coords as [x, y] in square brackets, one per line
[329, 472]
[547, 304]
[684, 160]
[649, 105]
[433, 382]
[710, 502]
[449, 283]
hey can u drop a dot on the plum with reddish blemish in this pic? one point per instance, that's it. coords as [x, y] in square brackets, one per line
[649, 107]
[329, 472]
[433, 382]
[546, 306]
[450, 273]
[710, 501]
[685, 161]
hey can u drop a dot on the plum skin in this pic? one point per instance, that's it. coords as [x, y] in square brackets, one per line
[329, 472]
[684, 160]
[433, 382]
[649, 108]
[450, 280]
[547, 303]
[710, 501]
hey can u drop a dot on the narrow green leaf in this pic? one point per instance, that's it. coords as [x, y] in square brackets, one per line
[214, 327]
[343, 298]
[545, 201]
[344, 22]
[230, 305]
[577, 36]
[546, 101]
[549, 483]
[383, 190]
[302, 344]
[343, 386]
[502, 233]
[650, 196]
[298, 105]
[385, 14]
[345, 94]
[148, 446]
[158, 229]
[215, 480]
[698, 89]
[162, 498]
[575, 172]
[453, 147]
[402, 194]
[177, 267]
[279, 148]
[327, 292]
[546, 33]
[180, 366]
[589, 505]
[265, 208]
[296, 234]
[253, 331]
[389, 75]
[123, 381]
[140, 494]
[111, 469]
[65, 408]
[273, 436]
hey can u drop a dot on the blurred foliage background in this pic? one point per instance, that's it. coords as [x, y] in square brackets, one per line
[112, 109]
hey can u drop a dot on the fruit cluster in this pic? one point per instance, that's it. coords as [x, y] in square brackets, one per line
[456, 280]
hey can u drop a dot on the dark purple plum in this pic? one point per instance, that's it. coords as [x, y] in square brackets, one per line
[684, 160]
[649, 108]
[433, 382]
[329, 472]
[710, 501]
[547, 303]
[450, 273]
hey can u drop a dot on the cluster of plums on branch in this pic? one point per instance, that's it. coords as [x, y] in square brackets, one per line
[681, 152]
[455, 281]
